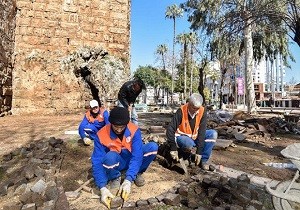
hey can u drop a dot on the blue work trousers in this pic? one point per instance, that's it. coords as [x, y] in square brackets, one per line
[186, 143]
[114, 162]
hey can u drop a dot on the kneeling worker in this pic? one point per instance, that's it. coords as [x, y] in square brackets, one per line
[187, 133]
[118, 147]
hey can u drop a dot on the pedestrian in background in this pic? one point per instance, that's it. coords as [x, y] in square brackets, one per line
[127, 95]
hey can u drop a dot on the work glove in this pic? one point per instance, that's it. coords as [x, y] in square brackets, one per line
[124, 189]
[87, 141]
[198, 159]
[174, 155]
[106, 196]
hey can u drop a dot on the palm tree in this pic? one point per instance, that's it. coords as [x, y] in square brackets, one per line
[161, 50]
[193, 40]
[240, 20]
[173, 12]
[184, 39]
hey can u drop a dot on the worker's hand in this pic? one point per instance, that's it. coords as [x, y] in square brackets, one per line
[198, 159]
[174, 155]
[124, 189]
[130, 108]
[87, 141]
[106, 196]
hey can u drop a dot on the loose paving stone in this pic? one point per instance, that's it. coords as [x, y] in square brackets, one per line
[39, 186]
[183, 190]
[116, 202]
[30, 206]
[172, 199]
[152, 201]
[13, 206]
[141, 203]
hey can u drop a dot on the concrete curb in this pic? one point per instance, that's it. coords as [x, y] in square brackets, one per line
[257, 180]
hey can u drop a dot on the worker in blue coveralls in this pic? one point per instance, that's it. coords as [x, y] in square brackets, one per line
[94, 119]
[118, 147]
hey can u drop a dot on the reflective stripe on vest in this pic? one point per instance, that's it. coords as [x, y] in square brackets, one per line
[99, 117]
[184, 127]
[116, 144]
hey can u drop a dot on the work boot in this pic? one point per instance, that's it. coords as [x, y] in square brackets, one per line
[139, 181]
[87, 141]
[204, 166]
[115, 183]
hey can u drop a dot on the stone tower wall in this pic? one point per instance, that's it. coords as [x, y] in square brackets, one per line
[8, 13]
[46, 33]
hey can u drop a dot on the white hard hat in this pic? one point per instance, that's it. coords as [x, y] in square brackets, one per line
[94, 103]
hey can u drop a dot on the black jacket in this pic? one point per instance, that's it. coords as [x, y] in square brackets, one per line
[127, 95]
[176, 121]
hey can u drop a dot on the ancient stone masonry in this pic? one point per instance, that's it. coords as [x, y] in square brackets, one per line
[46, 34]
[8, 13]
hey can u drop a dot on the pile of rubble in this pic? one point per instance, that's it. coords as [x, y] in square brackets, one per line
[242, 126]
[30, 177]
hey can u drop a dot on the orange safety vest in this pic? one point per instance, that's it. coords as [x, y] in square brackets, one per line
[99, 117]
[116, 144]
[184, 127]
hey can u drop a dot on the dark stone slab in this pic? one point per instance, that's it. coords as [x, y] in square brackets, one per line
[152, 201]
[51, 192]
[116, 202]
[172, 199]
[7, 157]
[140, 203]
[13, 206]
[62, 201]
[206, 183]
[257, 204]
[183, 190]
[26, 198]
[243, 178]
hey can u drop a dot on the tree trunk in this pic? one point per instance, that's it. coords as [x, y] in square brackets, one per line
[185, 59]
[223, 72]
[297, 33]
[173, 60]
[201, 81]
[250, 96]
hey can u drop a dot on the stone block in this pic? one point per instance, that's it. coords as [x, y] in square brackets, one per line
[243, 178]
[183, 190]
[140, 203]
[116, 202]
[39, 186]
[51, 193]
[38, 199]
[152, 201]
[30, 206]
[172, 199]
[129, 205]
[20, 189]
[257, 204]
[206, 183]
[26, 198]
[13, 206]
[212, 192]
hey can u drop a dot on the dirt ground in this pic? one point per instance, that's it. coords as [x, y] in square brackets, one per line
[248, 156]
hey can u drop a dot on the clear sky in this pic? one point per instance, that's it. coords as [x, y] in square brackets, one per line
[150, 28]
